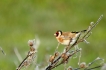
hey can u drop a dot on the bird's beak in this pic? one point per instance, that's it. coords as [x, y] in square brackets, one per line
[54, 34]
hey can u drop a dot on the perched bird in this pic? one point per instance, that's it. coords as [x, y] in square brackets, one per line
[67, 37]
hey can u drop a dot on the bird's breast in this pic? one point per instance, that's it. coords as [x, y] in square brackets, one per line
[66, 42]
[63, 41]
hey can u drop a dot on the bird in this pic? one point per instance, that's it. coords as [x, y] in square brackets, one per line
[67, 37]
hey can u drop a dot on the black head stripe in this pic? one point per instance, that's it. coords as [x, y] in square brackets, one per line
[60, 31]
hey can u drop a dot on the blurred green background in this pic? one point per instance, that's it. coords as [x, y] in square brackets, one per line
[21, 20]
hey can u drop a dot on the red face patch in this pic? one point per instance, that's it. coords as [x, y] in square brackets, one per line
[57, 33]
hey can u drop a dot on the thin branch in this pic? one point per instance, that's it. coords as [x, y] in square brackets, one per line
[67, 58]
[24, 62]
[92, 25]
[94, 67]
[30, 56]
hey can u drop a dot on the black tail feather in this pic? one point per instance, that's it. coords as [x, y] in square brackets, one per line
[83, 30]
[79, 31]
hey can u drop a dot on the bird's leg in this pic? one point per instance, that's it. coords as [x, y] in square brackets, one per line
[67, 47]
[57, 47]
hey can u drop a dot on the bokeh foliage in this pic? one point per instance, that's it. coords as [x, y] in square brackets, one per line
[21, 20]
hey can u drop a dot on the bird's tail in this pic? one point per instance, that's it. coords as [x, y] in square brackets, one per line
[83, 30]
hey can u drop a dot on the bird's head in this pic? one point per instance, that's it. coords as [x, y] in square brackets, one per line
[58, 33]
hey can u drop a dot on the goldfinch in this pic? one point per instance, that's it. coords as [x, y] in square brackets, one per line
[66, 37]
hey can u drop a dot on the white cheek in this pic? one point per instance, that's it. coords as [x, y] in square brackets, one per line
[59, 34]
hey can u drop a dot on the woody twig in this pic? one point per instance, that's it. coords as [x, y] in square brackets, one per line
[30, 56]
[84, 66]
